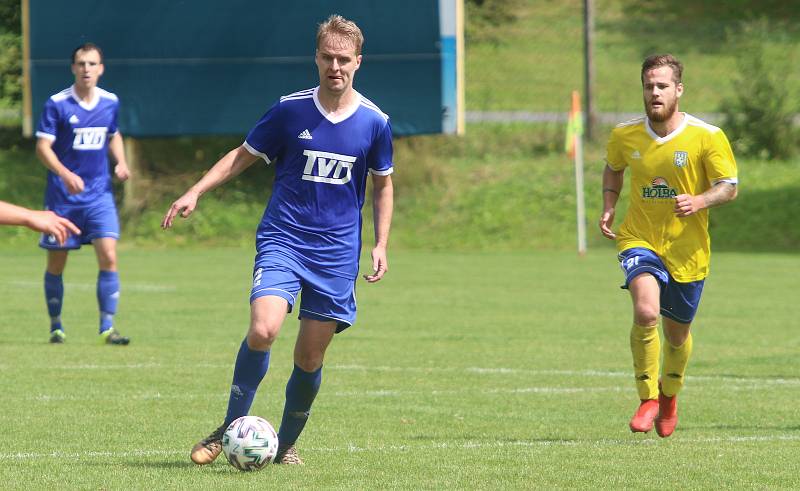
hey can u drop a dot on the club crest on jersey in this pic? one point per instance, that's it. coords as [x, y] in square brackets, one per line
[681, 158]
[330, 168]
[89, 138]
[658, 189]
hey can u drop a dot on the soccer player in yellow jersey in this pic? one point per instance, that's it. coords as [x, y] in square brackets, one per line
[679, 167]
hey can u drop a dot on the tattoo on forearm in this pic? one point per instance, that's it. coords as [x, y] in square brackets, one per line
[719, 194]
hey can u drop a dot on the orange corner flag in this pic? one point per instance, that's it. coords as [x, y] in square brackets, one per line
[574, 124]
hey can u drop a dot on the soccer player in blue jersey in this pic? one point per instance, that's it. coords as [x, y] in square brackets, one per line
[324, 142]
[77, 130]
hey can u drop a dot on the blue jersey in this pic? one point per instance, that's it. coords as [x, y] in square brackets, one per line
[80, 132]
[321, 166]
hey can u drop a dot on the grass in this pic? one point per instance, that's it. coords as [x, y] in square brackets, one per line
[501, 187]
[534, 63]
[464, 371]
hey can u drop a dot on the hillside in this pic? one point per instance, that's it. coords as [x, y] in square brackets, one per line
[502, 186]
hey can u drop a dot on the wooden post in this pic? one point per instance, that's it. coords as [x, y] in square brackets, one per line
[133, 154]
[27, 98]
[588, 82]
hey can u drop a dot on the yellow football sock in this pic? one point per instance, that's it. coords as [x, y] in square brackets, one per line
[645, 346]
[675, 361]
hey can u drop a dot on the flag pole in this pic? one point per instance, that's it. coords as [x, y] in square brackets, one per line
[576, 133]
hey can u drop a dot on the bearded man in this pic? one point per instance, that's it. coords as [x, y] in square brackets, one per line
[680, 167]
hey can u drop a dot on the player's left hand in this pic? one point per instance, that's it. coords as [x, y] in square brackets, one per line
[686, 204]
[379, 265]
[122, 172]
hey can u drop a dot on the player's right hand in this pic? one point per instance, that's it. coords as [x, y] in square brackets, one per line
[184, 205]
[73, 182]
[49, 223]
[606, 220]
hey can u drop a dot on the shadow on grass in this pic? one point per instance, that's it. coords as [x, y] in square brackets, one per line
[218, 467]
[171, 464]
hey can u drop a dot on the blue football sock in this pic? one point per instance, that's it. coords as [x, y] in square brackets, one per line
[251, 366]
[54, 295]
[107, 298]
[301, 390]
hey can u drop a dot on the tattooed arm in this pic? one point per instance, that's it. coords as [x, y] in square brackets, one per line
[719, 194]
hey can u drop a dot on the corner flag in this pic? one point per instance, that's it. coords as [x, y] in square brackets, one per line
[574, 125]
[574, 148]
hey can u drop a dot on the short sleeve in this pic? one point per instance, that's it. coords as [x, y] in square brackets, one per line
[112, 126]
[719, 163]
[379, 159]
[48, 124]
[614, 157]
[265, 140]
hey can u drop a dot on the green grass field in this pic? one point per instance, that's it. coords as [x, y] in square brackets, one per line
[534, 63]
[464, 371]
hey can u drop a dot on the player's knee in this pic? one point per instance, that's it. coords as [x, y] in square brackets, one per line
[108, 261]
[676, 336]
[262, 335]
[307, 361]
[645, 315]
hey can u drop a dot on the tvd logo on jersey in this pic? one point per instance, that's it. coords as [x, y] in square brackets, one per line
[89, 138]
[327, 167]
[659, 188]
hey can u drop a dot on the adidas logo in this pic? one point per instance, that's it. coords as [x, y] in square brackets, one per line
[74, 119]
[305, 135]
[636, 155]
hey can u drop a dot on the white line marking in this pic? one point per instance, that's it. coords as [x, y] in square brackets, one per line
[569, 373]
[45, 398]
[744, 382]
[133, 287]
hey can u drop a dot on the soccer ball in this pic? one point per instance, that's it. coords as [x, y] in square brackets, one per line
[250, 443]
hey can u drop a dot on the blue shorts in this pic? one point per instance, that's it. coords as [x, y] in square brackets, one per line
[679, 301]
[325, 297]
[96, 221]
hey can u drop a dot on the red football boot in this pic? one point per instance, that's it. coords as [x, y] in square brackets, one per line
[642, 420]
[667, 418]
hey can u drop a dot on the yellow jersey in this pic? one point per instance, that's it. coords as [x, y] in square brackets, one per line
[689, 160]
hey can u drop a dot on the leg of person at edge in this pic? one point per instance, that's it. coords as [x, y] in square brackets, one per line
[77, 131]
[324, 142]
[680, 167]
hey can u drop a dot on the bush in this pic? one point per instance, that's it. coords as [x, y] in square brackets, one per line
[486, 18]
[10, 55]
[759, 117]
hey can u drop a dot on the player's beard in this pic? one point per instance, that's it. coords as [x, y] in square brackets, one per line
[666, 111]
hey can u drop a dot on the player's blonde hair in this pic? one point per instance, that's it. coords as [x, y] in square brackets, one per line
[336, 25]
[657, 61]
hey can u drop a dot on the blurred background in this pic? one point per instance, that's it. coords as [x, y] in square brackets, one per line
[505, 184]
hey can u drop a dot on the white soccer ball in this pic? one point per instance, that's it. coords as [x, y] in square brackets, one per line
[250, 443]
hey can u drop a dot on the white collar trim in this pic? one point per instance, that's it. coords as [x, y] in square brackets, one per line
[341, 117]
[86, 105]
[663, 139]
